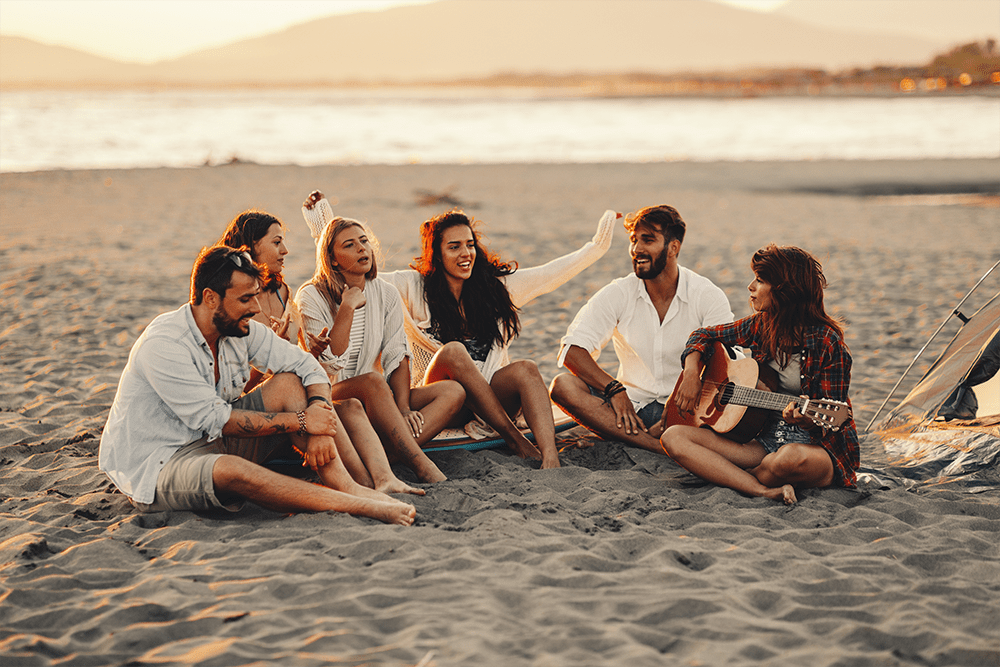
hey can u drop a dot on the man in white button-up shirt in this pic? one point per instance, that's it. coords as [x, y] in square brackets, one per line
[181, 436]
[649, 316]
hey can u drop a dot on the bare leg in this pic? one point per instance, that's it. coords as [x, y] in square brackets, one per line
[368, 451]
[452, 362]
[519, 386]
[802, 465]
[350, 424]
[438, 402]
[282, 493]
[573, 395]
[721, 461]
[284, 393]
[371, 389]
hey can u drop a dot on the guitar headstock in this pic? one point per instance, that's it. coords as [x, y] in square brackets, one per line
[826, 413]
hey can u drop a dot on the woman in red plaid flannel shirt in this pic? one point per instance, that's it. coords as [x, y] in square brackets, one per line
[790, 331]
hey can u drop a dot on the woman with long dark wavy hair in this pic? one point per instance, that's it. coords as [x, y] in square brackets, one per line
[791, 332]
[463, 307]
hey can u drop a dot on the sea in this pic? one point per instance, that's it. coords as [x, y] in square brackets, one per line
[44, 130]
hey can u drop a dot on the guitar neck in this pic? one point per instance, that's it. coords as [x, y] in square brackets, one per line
[757, 398]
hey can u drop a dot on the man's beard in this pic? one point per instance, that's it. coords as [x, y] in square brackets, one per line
[227, 326]
[656, 266]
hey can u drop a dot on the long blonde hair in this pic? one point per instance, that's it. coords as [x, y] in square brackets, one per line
[327, 278]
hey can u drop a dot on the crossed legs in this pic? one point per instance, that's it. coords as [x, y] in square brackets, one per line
[573, 395]
[748, 468]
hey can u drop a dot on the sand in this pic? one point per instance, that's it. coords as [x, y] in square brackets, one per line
[617, 558]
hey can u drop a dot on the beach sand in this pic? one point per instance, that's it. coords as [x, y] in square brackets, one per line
[618, 558]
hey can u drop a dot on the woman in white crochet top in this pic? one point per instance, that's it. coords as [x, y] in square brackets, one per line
[461, 316]
[368, 356]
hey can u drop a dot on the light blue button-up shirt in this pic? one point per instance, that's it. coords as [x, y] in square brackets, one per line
[167, 396]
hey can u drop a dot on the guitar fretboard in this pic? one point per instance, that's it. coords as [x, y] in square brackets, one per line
[755, 398]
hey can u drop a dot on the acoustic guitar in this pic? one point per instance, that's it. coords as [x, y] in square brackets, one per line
[737, 394]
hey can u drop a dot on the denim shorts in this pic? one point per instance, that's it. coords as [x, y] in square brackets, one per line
[778, 432]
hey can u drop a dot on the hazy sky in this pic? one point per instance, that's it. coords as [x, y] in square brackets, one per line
[145, 31]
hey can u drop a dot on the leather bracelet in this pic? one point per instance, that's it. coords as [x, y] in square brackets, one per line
[313, 399]
[613, 387]
[301, 414]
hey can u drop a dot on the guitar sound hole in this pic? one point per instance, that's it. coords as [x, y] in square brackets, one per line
[726, 394]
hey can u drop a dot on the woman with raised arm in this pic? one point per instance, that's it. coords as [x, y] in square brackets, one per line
[357, 443]
[368, 356]
[462, 314]
[790, 332]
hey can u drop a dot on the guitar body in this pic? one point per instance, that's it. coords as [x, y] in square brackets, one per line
[734, 422]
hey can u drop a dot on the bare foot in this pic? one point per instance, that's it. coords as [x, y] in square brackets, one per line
[400, 514]
[550, 462]
[394, 485]
[426, 471]
[523, 447]
[788, 494]
[372, 494]
[785, 493]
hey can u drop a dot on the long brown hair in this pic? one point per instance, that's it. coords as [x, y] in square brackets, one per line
[490, 316]
[247, 229]
[797, 283]
[327, 278]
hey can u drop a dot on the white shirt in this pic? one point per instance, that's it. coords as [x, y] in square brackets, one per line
[168, 397]
[649, 351]
[384, 345]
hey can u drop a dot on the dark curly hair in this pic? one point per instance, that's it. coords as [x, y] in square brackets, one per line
[246, 229]
[490, 318]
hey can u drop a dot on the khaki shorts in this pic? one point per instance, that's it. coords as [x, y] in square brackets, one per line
[186, 483]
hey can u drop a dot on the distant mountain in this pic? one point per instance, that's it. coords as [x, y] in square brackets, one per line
[27, 61]
[465, 39]
[948, 22]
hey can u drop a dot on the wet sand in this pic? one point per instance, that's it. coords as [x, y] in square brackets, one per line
[618, 558]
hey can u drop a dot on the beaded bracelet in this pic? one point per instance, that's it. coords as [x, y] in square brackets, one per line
[614, 387]
[301, 414]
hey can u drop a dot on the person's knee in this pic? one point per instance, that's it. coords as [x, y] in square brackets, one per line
[525, 368]
[453, 393]
[454, 352]
[284, 393]
[229, 470]
[350, 406]
[674, 440]
[375, 385]
[789, 462]
[563, 388]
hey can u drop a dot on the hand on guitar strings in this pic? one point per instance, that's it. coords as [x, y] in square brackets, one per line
[793, 416]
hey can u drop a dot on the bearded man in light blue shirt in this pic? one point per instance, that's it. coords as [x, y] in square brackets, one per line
[181, 434]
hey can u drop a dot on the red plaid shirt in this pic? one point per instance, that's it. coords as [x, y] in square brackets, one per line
[826, 372]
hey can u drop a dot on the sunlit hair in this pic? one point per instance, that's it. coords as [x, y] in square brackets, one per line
[490, 316]
[214, 270]
[247, 229]
[664, 219]
[327, 278]
[797, 283]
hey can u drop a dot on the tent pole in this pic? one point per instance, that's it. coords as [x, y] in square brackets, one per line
[954, 312]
